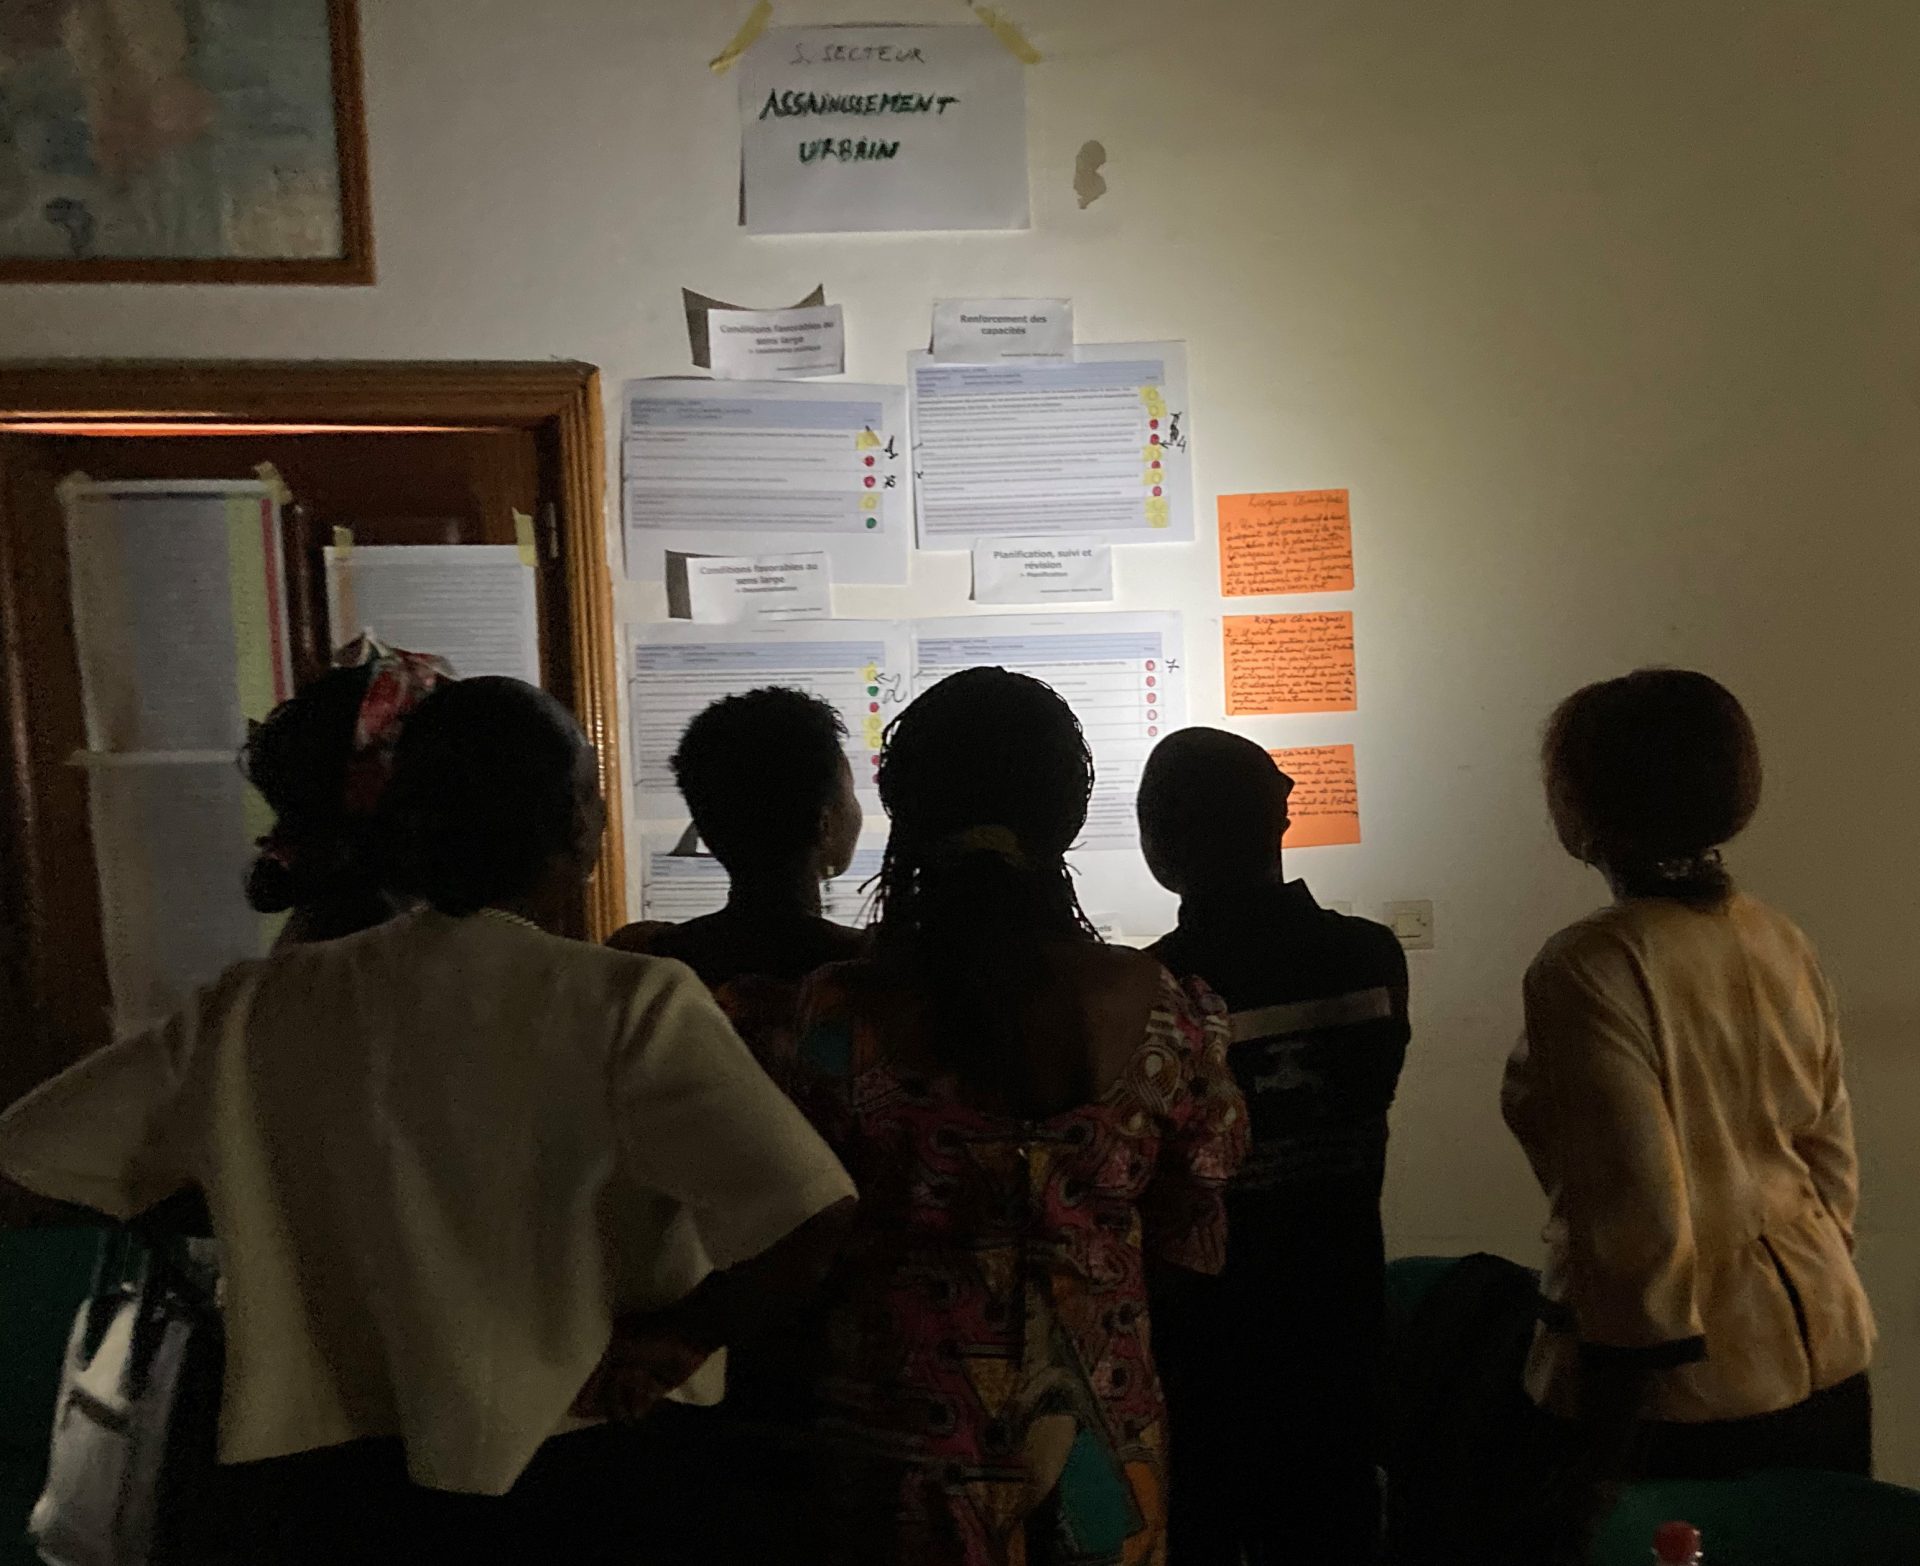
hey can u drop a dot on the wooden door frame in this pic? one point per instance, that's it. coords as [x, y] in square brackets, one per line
[560, 402]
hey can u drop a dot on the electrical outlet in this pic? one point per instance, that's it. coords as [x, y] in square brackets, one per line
[1412, 922]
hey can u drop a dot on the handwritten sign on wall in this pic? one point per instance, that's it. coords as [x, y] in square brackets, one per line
[1324, 806]
[1279, 663]
[858, 129]
[1299, 542]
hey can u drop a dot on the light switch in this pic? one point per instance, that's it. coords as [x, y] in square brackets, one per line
[1412, 922]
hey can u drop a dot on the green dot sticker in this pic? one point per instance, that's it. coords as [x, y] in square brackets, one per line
[873, 690]
[872, 523]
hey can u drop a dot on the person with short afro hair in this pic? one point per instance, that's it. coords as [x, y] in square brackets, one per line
[767, 784]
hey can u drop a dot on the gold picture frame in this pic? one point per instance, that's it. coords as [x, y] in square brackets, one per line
[250, 143]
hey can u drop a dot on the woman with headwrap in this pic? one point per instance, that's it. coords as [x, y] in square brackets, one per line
[322, 761]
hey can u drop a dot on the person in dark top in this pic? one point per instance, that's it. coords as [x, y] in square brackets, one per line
[1273, 1368]
[766, 780]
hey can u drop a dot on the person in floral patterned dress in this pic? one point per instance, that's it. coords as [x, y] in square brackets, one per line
[1033, 1120]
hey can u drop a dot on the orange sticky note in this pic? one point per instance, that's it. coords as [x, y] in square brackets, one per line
[1324, 806]
[1300, 542]
[1289, 663]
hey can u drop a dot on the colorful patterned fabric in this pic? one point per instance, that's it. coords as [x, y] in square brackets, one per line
[989, 1385]
[399, 682]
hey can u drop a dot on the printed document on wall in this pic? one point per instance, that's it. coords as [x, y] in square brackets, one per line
[862, 129]
[1096, 447]
[759, 467]
[676, 670]
[471, 604]
[179, 611]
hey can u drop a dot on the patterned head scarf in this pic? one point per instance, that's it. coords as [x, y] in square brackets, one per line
[398, 682]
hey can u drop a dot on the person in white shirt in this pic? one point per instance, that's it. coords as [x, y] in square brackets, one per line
[445, 1156]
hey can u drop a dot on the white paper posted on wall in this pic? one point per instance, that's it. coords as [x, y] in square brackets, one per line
[755, 467]
[474, 605]
[776, 345]
[849, 129]
[675, 671]
[1097, 446]
[738, 589]
[179, 611]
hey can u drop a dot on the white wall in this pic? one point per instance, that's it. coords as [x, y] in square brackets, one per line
[1606, 314]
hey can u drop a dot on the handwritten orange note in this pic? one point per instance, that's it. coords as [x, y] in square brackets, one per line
[1300, 542]
[1325, 803]
[1289, 663]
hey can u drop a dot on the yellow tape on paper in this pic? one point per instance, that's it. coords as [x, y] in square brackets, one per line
[269, 475]
[343, 543]
[750, 31]
[1008, 32]
[523, 536]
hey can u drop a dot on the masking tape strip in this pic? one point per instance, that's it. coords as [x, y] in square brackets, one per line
[269, 475]
[76, 480]
[750, 31]
[1008, 32]
[343, 544]
[523, 536]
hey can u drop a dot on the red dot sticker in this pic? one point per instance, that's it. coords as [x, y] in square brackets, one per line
[1156, 462]
[1156, 489]
[1152, 716]
[869, 481]
[873, 706]
[1151, 682]
[1155, 439]
[1151, 732]
[869, 462]
[1151, 664]
[1153, 424]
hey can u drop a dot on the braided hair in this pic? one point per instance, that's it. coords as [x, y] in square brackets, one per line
[986, 778]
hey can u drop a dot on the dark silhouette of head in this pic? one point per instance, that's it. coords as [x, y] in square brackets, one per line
[766, 780]
[494, 800]
[1647, 775]
[1213, 809]
[319, 850]
[986, 779]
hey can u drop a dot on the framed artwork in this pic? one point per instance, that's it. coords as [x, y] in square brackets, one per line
[182, 141]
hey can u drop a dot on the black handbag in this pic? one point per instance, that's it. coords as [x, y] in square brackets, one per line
[135, 1424]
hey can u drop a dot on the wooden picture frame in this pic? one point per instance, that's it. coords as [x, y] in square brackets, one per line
[352, 266]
